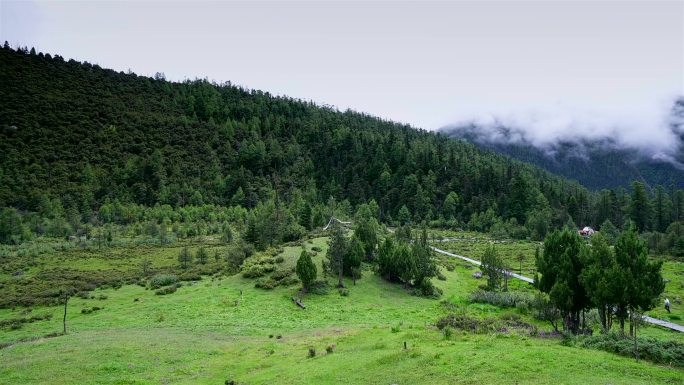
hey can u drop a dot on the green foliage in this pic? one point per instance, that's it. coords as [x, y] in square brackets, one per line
[560, 266]
[509, 299]
[185, 257]
[644, 282]
[160, 280]
[167, 289]
[306, 270]
[493, 267]
[352, 260]
[337, 251]
[202, 256]
[650, 349]
[411, 264]
[640, 207]
[603, 279]
[366, 228]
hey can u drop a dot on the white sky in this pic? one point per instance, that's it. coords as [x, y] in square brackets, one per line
[555, 66]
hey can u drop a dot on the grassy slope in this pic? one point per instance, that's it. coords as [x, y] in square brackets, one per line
[199, 336]
[474, 244]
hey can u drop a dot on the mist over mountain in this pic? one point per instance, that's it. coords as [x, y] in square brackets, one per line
[596, 153]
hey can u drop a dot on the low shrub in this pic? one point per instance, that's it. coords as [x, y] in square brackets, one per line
[88, 310]
[16, 323]
[329, 349]
[344, 292]
[316, 249]
[319, 288]
[650, 349]
[427, 289]
[448, 332]
[161, 280]
[506, 299]
[168, 289]
[279, 259]
[507, 322]
[282, 274]
[312, 352]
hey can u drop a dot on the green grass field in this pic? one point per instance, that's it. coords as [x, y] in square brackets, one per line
[200, 335]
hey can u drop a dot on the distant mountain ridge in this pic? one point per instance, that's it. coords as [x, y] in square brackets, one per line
[596, 164]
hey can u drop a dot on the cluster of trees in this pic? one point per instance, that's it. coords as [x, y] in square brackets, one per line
[620, 282]
[409, 261]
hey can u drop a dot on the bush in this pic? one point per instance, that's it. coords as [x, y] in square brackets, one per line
[486, 325]
[279, 259]
[344, 292]
[319, 287]
[312, 352]
[448, 332]
[329, 349]
[265, 283]
[190, 275]
[427, 289]
[661, 352]
[168, 289]
[507, 299]
[450, 267]
[89, 310]
[441, 276]
[161, 280]
[316, 249]
[282, 274]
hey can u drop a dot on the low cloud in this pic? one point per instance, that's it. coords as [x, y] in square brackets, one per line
[656, 131]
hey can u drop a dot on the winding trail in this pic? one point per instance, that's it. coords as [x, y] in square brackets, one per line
[651, 320]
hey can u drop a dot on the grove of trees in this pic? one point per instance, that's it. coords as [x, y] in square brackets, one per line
[620, 282]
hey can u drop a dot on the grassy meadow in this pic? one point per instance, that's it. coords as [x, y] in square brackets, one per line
[222, 328]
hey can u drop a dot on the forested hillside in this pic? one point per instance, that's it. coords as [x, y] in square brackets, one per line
[88, 136]
[85, 145]
[596, 164]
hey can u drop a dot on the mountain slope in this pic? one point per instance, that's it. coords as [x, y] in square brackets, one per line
[595, 164]
[89, 135]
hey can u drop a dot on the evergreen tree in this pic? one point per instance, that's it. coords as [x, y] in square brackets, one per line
[560, 266]
[306, 270]
[353, 258]
[336, 251]
[185, 258]
[305, 219]
[603, 279]
[644, 282]
[366, 231]
[492, 267]
[640, 209]
[404, 216]
[202, 256]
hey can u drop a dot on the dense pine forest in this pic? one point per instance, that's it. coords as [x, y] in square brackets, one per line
[83, 146]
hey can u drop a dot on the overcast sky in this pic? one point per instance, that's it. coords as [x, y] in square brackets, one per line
[554, 66]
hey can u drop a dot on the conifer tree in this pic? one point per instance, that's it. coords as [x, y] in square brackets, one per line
[306, 270]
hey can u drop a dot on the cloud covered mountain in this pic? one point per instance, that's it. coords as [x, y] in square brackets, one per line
[598, 156]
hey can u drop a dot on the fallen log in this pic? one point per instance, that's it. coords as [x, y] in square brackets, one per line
[298, 302]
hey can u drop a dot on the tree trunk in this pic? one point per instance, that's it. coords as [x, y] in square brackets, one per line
[340, 275]
[602, 317]
[66, 301]
[635, 322]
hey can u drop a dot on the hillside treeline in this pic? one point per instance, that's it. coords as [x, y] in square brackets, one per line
[77, 139]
